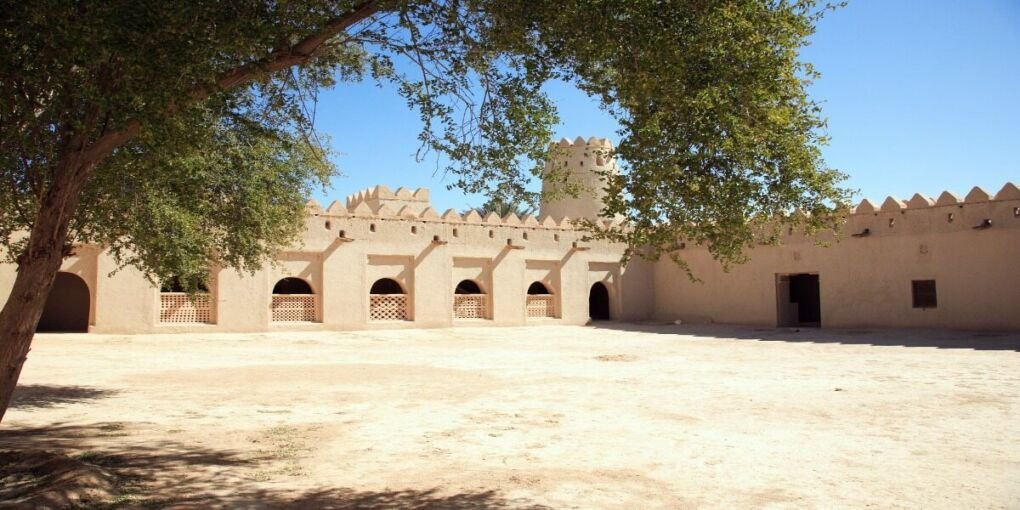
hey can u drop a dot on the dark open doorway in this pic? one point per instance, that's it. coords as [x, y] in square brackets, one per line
[799, 300]
[67, 306]
[598, 302]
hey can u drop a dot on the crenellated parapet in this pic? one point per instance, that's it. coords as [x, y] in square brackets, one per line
[976, 196]
[921, 214]
[360, 208]
[977, 210]
[580, 143]
[389, 230]
[380, 198]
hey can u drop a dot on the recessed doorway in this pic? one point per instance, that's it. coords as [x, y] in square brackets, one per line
[598, 302]
[798, 300]
[67, 306]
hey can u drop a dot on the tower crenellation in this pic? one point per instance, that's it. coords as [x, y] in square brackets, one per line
[577, 168]
[403, 199]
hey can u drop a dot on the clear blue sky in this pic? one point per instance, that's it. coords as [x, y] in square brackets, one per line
[920, 97]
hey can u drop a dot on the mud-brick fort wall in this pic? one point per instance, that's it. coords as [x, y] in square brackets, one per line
[396, 236]
[386, 259]
[965, 250]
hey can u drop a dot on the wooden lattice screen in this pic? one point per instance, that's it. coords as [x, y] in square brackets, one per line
[179, 308]
[541, 305]
[387, 307]
[293, 307]
[469, 306]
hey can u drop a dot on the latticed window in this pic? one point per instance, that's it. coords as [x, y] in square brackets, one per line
[541, 305]
[180, 308]
[469, 302]
[388, 307]
[387, 301]
[293, 301]
[540, 302]
[470, 306]
[293, 308]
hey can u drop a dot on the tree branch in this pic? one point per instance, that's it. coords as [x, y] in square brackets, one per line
[300, 53]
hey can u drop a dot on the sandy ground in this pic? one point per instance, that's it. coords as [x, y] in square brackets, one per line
[626, 416]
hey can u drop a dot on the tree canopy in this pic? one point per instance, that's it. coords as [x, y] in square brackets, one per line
[181, 134]
[718, 130]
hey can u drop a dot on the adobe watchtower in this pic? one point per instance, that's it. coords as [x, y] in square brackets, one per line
[577, 166]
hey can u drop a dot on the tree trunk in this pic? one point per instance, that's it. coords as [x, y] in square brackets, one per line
[37, 270]
[38, 266]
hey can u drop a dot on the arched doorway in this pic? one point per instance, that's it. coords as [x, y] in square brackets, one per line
[67, 306]
[470, 301]
[540, 302]
[387, 301]
[598, 302]
[293, 301]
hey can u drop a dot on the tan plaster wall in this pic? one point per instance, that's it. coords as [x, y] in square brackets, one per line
[242, 301]
[636, 290]
[866, 281]
[428, 262]
[125, 301]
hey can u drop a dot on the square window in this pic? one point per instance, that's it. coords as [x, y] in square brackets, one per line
[924, 294]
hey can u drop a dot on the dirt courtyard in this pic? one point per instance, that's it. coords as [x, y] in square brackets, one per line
[625, 416]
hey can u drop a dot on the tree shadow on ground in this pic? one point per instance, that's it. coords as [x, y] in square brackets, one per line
[95, 443]
[349, 499]
[936, 338]
[41, 396]
[161, 474]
